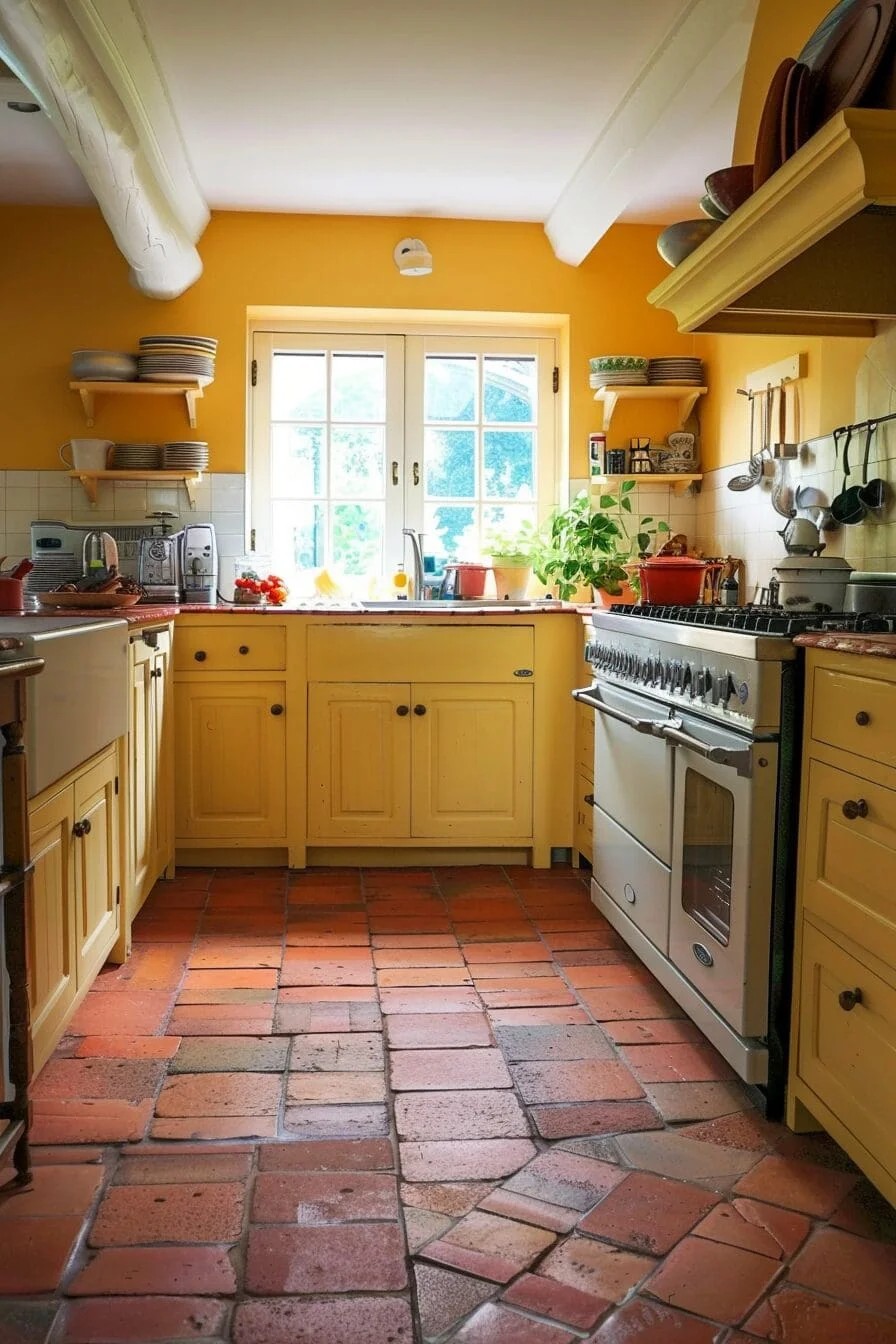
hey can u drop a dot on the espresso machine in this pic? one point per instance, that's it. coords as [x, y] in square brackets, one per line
[199, 564]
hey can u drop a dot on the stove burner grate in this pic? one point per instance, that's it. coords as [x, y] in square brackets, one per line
[762, 620]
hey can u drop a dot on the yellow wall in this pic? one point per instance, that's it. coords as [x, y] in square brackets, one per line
[65, 286]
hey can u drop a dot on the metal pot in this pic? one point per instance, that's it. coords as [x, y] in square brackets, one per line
[812, 583]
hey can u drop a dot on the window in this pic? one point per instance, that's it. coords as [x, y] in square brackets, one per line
[357, 436]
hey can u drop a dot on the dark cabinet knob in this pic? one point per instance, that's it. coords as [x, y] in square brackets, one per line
[244, 648]
[854, 807]
[419, 710]
[848, 998]
[863, 718]
[276, 710]
[402, 710]
[156, 672]
[200, 655]
[589, 799]
[81, 828]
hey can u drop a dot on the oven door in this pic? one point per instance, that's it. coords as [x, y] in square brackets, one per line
[632, 765]
[723, 869]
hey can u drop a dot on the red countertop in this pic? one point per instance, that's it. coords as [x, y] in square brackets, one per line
[145, 614]
[871, 646]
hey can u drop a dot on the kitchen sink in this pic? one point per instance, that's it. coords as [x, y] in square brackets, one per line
[79, 702]
[449, 604]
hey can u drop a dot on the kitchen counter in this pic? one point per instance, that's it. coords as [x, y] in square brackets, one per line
[872, 646]
[153, 615]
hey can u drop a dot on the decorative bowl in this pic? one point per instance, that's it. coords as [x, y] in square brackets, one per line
[711, 210]
[680, 240]
[103, 366]
[618, 364]
[728, 188]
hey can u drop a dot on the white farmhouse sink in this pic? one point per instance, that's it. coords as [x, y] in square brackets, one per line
[79, 702]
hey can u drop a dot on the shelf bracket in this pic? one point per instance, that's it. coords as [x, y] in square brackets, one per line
[191, 396]
[609, 399]
[89, 483]
[686, 404]
[190, 484]
[87, 404]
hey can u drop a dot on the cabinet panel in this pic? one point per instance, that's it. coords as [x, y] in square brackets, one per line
[400, 653]
[358, 754]
[849, 1057]
[583, 816]
[585, 740]
[97, 878]
[855, 713]
[849, 862]
[248, 646]
[471, 764]
[50, 924]
[231, 779]
[150, 768]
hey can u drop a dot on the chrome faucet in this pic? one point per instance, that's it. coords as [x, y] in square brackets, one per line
[418, 559]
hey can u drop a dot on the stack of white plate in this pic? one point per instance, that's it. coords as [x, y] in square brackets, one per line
[618, 371]
[185, 455]
[177, 359]
[103, 366]
[675, 371]
[628, 379]
[136, 457]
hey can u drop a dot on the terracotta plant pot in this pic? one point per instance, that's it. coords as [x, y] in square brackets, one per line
[626, 595]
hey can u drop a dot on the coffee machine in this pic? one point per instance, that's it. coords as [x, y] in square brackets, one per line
[199, 564]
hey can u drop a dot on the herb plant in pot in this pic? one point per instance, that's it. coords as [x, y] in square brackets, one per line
[512, 553]
[594, 545]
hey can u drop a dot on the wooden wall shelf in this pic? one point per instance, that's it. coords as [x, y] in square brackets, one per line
[89, 480]
[679, 483]
[190, 391]
[685, 396]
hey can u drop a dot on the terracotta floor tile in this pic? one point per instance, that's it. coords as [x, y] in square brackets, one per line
[721, 1282]
[126, 1047]
[215, 1127]
[410, 924]
[258, 957]
[223, 1054]
[613, 953]
[222, 1019]
[421, 1226]
[325, 972]
[492, 930]
[744, 1129]
[444, 1297]
[26, 1322]
[340, 1052]
[137, 1013]
[525, 1209]
[537, 1015]
[141, 1320]
[677, 1063]
[593, 1117]
[593, 1267]
[671, 1154]
[314, 955]
[317, 1121]
[495, 975]
[147, 967]
[657, 1031]
[189, 997]
[324, 1197]
[644, 1322]
[550, 1043]
[54, 1192]
[360, 1320]
[139, 1215]
[432, 975]
[61, 1120]
[461, 999]
[497, 1325]
[492, 1114]
[540, 993]
[608, 1005]
[850, 1268]
[335, 994]
[34, 1252]
[648, 1213]
[124, 1271]
[352, 1257]
[298, 1019]
[865, 1212]
[333, 1088]
[231, 979]
[697, 1101]
[607, 975]
[466, 1160]
[557, 1301]
[490, 1247]
[576, 1080]
[327, 1155]
[763, 1228]
[180, 1167]
[395, 940]
[454, 1198]
[792, 1316]
[94, 1079]
[227, 1094]
[410, 1031]
[512, 951]
[447, 1070]
[566, 1179]
[407, 957]
[803, 1186]
[585, 939]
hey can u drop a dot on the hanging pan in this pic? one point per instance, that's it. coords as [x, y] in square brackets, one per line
[847, 508]
[873, 493]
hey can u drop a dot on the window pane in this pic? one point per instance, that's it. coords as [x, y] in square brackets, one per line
[358, 538]
[450, 463]
[506, 519]
[299, 386]
[297, 460]
[450, 388]
[450, 531]
[508, 390]
[359, 387]
[509, 463]
[298, 537]
[358, 456]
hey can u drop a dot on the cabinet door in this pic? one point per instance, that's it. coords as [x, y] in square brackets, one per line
[162, 756]
[471, 761]
[358, 761]
[231, 775]
[50, 928]
[97, 867]
[142, 840]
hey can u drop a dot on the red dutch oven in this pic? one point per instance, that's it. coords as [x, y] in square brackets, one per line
[672, 580]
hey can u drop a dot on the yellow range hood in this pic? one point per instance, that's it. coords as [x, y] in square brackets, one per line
[812, 252]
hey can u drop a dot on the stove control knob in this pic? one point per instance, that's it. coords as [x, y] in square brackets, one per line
[700, 684]
[687, 680]
[723, 688]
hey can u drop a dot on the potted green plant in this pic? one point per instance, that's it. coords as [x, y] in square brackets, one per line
[512, 553]
[586, 544]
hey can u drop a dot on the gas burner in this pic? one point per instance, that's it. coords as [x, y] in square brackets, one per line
[762, 620]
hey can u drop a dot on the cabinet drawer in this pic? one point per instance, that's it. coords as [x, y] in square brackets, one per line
[849, 1058]
[636, 881]
[849, 863]
[855, 713]
[245, 647]
[390, 652]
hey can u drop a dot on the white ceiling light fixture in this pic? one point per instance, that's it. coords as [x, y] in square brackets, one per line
[412, 257]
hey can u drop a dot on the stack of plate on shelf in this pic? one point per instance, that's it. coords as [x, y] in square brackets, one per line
[177, 359]
[136, 457]
[618, 371]
[103, 366]
[675, 372]
[185, 455]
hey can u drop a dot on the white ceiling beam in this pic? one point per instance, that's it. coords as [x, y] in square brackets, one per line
[48, 50]
[704, 51]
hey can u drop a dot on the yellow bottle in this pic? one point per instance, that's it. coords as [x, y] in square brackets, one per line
[400, 584]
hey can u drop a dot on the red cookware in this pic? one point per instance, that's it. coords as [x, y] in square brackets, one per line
[672, 580]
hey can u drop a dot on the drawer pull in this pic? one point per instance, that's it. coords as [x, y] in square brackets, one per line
[200, 655]
[589, 799]
[855, 807]
[276, 710]
[419, 710]
[848, 998]
[81, 827]
[629, 893]
[402, 710]
[244, 648]
[863, 718]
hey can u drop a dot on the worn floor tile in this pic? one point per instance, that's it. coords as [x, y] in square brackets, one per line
[224, 1054]
[26, 1322]
[710, 1279]
[127, 1271]
[137, 1013]
[491, 1114]
[136, 1215]
[66, 1120]
[324, 1197]
[126, 1047]
[444, 1297]
[594, 1267]
[697, 1101]
[332, 1088]
[497, 1325]
[447, 1070]
[525, 1209]
[594, 1117]
[558, 1301]
[850, 1268]
[321, 1121]
[466, 1160]
[553, 1043]
[671, 1154]
[648, 1213]
[777, 1233]
[797, 1185]
[54, 1192]
[35, 1251]
[490, 1247]
[794, 1316]
[341, 1052]
[361, 1320]
[351, 1257]
[567, 1179]
[576, 1080]
[683, 1062]
[327, 1155]
[642, 1321]
[226, 1094]
[426, 1031]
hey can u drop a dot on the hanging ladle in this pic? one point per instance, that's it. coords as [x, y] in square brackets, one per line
[754, 466]
[846, 507]
[873, 493]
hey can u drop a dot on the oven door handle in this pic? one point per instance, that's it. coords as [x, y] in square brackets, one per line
[741, 761]
[650, 726]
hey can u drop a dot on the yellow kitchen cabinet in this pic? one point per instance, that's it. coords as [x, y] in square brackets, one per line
[425, 761]
[843, 1036]
[74, 917]
[583, 803]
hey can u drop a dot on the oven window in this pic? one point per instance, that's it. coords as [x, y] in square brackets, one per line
[708, 854]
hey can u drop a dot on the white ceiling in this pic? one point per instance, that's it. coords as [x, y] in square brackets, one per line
[477, 109]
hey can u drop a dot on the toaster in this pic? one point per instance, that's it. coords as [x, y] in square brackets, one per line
[159, 568]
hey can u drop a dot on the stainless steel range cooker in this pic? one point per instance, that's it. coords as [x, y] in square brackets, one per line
[696, 775]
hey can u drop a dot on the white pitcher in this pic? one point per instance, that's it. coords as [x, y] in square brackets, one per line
[87, 454]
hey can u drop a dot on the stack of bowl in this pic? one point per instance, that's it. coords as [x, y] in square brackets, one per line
[103, 366]
[618, 371]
